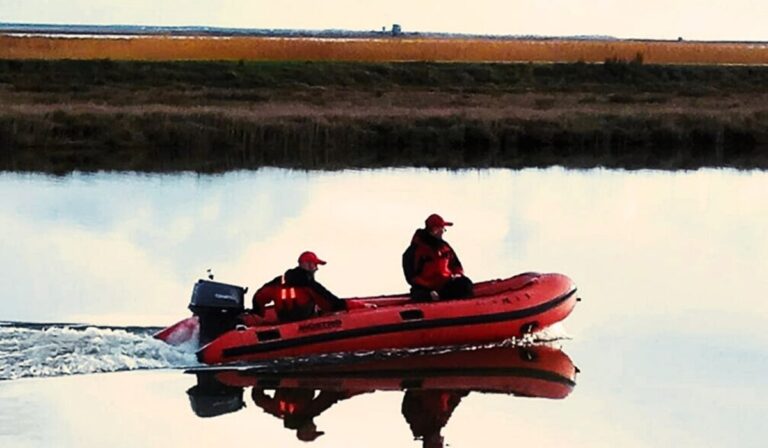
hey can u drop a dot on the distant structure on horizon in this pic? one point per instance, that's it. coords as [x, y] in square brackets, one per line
[396, 29]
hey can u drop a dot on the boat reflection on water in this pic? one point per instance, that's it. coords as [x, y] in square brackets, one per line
[435, 382]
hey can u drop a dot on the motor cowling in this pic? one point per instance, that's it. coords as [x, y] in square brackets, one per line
[217, 306]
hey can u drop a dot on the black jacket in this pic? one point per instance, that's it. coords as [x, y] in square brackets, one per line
[301, 277]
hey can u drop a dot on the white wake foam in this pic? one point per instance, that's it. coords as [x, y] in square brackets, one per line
[553, 333]
[66, 350]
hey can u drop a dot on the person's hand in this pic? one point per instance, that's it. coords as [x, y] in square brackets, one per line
[372, 306]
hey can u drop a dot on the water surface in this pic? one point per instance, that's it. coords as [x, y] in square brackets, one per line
[669, 339]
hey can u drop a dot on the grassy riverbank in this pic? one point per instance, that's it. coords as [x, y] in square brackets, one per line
[59, 116]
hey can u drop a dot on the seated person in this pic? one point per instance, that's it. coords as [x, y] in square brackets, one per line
[431, 266]
[297, 294]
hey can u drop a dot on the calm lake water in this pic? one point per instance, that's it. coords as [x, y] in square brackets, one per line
[670, 338]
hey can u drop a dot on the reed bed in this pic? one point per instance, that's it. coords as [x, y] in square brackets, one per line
[154, 48]
[62, 115]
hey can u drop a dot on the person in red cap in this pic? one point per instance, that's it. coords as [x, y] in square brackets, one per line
[431, 266]
[297, 295]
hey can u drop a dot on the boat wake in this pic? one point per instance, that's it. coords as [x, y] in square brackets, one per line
[49, 350]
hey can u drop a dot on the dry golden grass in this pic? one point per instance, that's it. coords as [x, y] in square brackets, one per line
[310, 49]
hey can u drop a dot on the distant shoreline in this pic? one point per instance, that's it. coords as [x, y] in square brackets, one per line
[38, 29]
[96, 31]
[61, 116]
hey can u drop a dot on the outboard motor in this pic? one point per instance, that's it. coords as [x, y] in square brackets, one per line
[217, 306]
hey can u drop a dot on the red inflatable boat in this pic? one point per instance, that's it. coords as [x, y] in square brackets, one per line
[500, 309]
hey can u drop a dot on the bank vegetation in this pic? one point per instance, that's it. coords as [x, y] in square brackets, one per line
[64, 115]
[393, 49]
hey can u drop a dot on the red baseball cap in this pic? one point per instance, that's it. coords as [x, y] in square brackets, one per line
[310, 257]
[436, 220]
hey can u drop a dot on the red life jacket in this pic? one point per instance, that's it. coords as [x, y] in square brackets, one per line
[291, 302]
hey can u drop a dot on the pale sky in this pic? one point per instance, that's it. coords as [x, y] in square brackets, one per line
[660, 19]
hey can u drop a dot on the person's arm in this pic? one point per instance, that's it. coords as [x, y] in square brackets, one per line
[264, 295]
[260, 298]
[409, 265]
[326, 300]
[455, 263]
